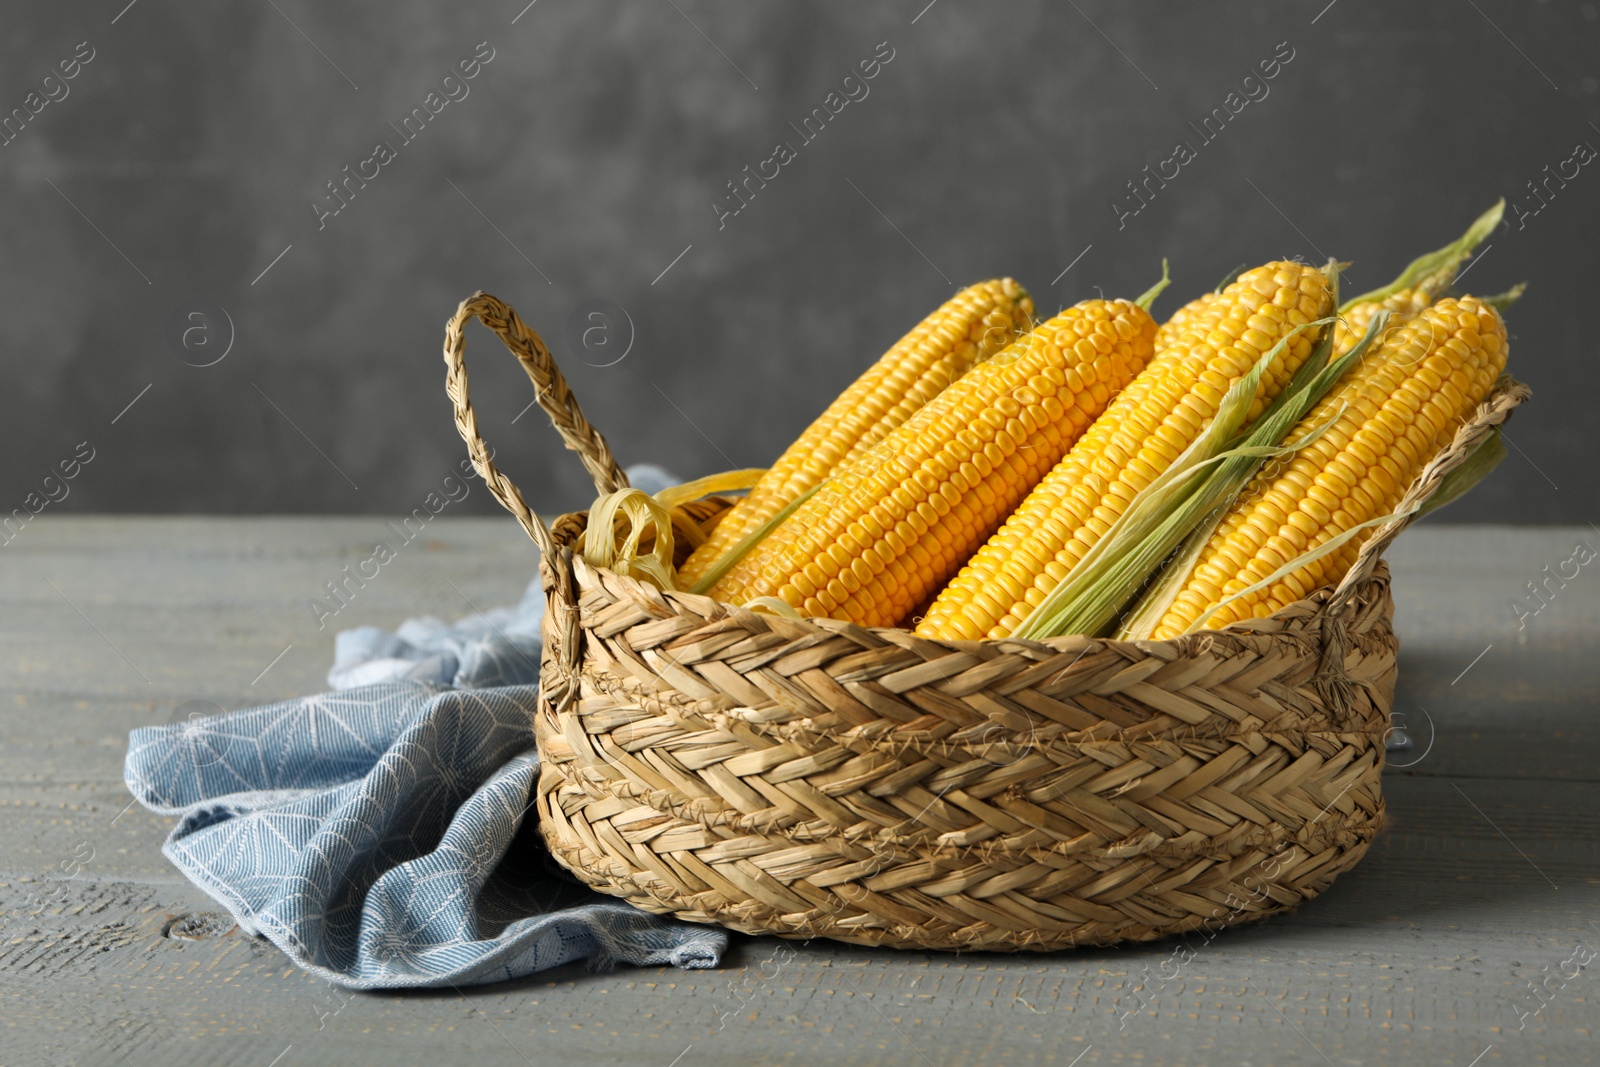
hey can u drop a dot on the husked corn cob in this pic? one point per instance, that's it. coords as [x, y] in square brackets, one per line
[1420, 284]
[1393, 412]
[1185, 316]
[885, 532]
[968, 328]
[1181, 320]
[1137, 438]
[1353, 322]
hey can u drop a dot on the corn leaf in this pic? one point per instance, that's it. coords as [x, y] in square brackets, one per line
[1093, 613]
[1161, 593]
[1157, 600]
[1501, 301]
[1150, 294]
[1333, 544]
[1143, 618]
[749, 541]
[1080, 590]
[1435, 271]
[1228, 279]
[1147, 614]
[1091, 595]
[1484, 457]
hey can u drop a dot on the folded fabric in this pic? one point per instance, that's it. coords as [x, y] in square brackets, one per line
[383, 835]
[498, 647]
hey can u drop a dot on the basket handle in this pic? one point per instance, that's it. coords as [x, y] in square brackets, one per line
[551, 392]
[1504, 398]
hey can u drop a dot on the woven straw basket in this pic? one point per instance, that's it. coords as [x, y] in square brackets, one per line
[809, 777]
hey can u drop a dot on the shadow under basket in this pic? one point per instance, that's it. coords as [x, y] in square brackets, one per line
[814, 778]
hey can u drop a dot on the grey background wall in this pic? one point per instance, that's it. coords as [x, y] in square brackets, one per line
[178, 171]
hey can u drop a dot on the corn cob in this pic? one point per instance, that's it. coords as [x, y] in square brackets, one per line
[1181, 320]
[1390, 415]
[885, 532]
[1185, 316]
[1142, 432]
[1402, 307]
[971, 326]
[1423, 281]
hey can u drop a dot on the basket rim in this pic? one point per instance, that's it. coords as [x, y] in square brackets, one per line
[1314, 605]
[1302, 631]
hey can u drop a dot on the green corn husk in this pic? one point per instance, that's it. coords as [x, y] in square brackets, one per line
[734, 554]
[1153, 605]
[1333, 544]
[1142, 619]
[1199, 484]
[1434, 271]
[1148, 297]
[726, 561]
[1482, 459]
[1501, 301]
[1091, 596]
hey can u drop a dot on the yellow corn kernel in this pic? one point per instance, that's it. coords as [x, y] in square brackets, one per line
[923, 486]
[967, 329]
[1137, 438]
[1381, 408]
[1181, 320]
[1353, 322]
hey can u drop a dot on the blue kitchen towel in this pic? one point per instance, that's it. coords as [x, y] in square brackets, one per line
[383, 835]
[498, 647]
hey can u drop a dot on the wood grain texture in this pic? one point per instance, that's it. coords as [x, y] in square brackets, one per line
[1489, 870]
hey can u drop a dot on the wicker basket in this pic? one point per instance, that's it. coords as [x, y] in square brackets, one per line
[808, 777]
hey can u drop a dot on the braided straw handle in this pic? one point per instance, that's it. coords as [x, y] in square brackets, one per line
[549, 389]
[1507, 394]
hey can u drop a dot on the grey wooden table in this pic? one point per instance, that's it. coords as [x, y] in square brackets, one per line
[1483, 888]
